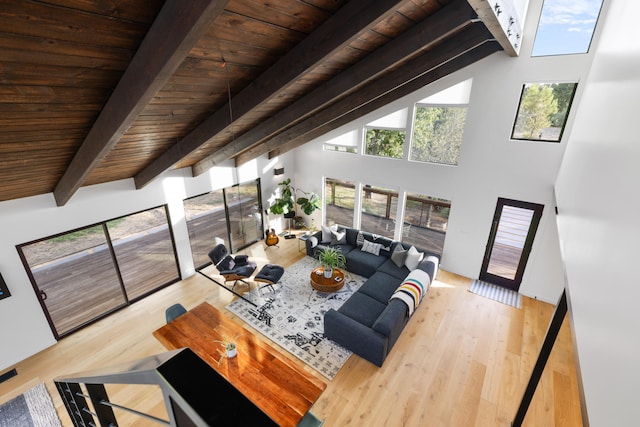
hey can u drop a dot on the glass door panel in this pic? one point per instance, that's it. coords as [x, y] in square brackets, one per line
[144, 250]
[244, 214]
[75, 276]
[206, 221]
[510, 241]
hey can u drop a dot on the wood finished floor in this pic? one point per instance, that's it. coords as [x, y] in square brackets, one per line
[462, 360]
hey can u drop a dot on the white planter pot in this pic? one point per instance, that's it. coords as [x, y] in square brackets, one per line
[328, 272]
[232, 353]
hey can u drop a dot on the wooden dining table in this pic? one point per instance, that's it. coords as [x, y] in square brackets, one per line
[264, 374]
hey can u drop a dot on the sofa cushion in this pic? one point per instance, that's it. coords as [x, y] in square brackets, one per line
[391, 321]
[380, 286]
[352, 236]
[362, 308]
[392, 269]
[363, 263]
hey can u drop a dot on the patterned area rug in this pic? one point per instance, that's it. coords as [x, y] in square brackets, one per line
[496, 293]
[31, 409]
[292, 316]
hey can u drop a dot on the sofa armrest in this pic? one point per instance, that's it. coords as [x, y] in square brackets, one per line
[355, 336]
[310, 249]
[430, 265]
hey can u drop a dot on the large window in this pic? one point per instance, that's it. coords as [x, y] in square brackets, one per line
[425, 222]
[346, 143]
[339, 198]
[566, 27]
[82, 275]
[385, 137]
[543, 111]
[379, 207]
[438, 125]
[437, 134]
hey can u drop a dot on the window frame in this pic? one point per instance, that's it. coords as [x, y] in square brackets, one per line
[566, 117]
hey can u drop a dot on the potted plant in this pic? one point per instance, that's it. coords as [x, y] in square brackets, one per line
[284, 205]
[230, 349]
[309, 203]
[331, 258]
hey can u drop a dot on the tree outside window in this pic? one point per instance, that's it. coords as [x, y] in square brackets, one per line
[437, 134]
[543, 111]
[385, 142]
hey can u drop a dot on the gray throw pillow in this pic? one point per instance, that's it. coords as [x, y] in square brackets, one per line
[399, 255]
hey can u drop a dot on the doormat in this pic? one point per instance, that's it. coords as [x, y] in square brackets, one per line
[293, 316]
[33, 408]
[496, 293]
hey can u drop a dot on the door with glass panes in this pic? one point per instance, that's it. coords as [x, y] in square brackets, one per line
[510, 240]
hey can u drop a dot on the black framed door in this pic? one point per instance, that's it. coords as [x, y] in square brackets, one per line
[513, 229]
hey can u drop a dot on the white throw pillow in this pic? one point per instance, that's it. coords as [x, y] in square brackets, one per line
[338, 237]
[314, 241]
[326, 234]
[413, 258]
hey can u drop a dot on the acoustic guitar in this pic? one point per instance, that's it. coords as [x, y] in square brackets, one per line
[272, 238]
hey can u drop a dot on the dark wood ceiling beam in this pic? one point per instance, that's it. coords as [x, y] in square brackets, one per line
[172, 35]
[340, 29]
[316, 128]
[437, 27]
[402, 81]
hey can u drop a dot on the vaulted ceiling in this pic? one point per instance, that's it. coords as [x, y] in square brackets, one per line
[97, 91]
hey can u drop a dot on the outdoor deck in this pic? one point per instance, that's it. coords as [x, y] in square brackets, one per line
[79, 292]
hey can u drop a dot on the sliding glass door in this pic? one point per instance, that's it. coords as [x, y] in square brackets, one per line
[244, 214]
[510, 240]
[232, 214]
[83, 275]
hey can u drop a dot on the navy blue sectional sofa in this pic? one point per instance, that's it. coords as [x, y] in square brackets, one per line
[370, 322]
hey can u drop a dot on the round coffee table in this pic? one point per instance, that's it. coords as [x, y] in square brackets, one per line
[324, 284]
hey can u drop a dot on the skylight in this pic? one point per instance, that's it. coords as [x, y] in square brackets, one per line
[566, 27]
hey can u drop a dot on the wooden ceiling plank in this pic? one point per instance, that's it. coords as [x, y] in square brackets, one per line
[174, 32]
[318, 130]
[404, 77]
[332, 35]
[449, 20]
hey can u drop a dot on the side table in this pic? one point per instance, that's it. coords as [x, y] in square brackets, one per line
[303, 238]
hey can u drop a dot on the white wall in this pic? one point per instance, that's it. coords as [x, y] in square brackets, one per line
[599, 223]
[490, 165]
[25, 330]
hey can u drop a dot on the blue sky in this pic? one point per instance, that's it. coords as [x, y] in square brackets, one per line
[566, 26]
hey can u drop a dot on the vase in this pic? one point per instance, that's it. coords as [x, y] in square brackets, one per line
[232, 352]
[328, 272]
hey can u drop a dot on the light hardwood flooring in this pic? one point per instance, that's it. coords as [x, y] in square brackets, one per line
[462, 360]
